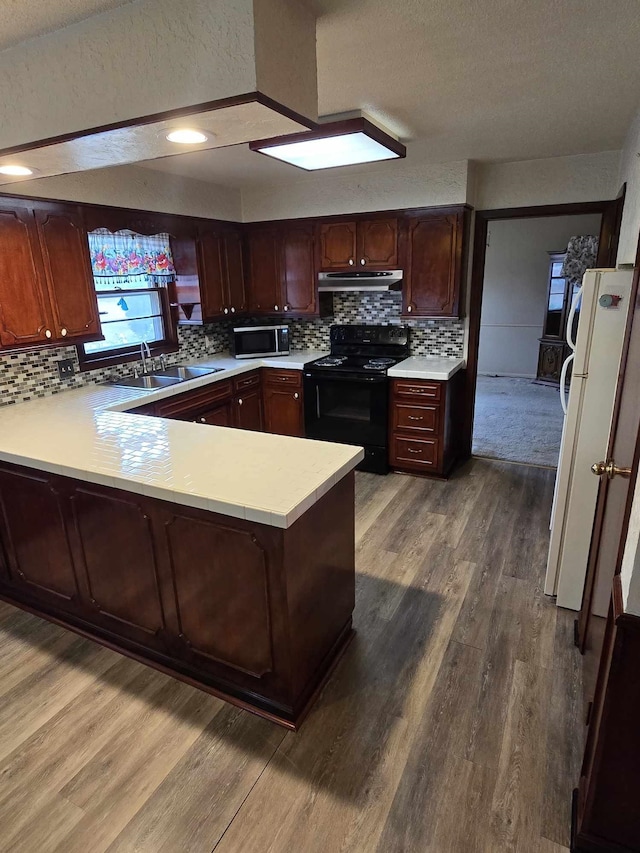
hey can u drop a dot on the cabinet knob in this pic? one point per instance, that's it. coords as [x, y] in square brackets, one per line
[47, 333]
[409, 308]
[363, 261]
[296, 396]
[350, 262]
[239, 402]
[233, 310]
[226, 310]
[276, 307]
[63, 332]
[203, 420]
[286, 307]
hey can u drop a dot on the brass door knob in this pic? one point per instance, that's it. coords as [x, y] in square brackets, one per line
[610, 469]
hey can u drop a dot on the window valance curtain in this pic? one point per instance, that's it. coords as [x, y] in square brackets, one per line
[125, 253]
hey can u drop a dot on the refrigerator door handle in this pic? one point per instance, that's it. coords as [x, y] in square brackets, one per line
[572, 313]
[563, 380]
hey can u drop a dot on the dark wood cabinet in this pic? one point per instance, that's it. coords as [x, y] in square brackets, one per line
[300, 290]
[359, 243]
[47, 294]
[252, 613]
[265, 291]
[34, 527]
[25, 309]
[221, 415]
[425, 425]
[434, 269]
[337, 245]
[551, 357]
[67, 267]
[220, 273]
[248, 411]
[283, 403]
[377, 243]
[554, 348]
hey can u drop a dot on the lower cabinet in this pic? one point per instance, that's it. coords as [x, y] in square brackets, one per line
[253, 613]
[283, 403]
[425, 424]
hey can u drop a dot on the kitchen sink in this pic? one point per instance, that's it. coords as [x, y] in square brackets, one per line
[183, 373]
[146, 381]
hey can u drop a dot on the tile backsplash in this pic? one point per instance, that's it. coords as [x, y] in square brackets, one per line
[27, 375]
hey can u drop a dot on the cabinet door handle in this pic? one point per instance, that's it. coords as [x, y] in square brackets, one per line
[47, 333]
[233, 310]
[350, 262]
[363, 261]
[226, 310]
[239, 402]
[276, 307]
[411, 450]
[63, 332]
[203, 420]
[414, 418]
[286, 307]
[409, 309]
[296, 396]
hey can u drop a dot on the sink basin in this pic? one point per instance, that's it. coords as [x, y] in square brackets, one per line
[183, 373]
[146, 381]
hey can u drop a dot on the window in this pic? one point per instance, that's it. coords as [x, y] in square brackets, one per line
[131, 275]
[557, 292]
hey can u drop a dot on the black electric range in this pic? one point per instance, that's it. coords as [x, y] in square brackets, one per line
[346, 395]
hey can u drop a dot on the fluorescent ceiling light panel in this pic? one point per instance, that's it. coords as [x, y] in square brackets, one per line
[343, 143]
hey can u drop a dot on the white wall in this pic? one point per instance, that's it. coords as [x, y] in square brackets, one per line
[390, 185]
[132, 186]
[630, 172]
[554, 180]
[630, 570]
[515, 288]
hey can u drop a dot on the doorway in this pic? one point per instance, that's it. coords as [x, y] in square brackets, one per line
[526, 297]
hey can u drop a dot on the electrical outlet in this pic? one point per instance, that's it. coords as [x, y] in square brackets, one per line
[66, 368]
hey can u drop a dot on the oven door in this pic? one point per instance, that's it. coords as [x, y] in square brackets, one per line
[347, 408]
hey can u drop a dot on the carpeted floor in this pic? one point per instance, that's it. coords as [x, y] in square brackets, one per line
[517, 420]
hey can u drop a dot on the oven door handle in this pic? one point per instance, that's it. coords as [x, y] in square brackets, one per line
[334, 377]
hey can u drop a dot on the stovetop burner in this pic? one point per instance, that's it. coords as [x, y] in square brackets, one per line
[331, 361]
[377, 363]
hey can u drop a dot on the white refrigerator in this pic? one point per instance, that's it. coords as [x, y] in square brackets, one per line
[602, 304]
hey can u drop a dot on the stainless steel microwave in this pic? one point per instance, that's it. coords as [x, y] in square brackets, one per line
[260, 341]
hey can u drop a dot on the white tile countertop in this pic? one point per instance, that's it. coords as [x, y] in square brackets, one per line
[88, 434]
[426, 367]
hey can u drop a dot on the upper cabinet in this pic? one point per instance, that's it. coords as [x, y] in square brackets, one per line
[265, 291]
[360, 243]
[299, 279]
[282, 274]
[46, 289]
[434, 267]
[221, 273]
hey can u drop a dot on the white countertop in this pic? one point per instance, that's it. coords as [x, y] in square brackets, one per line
[88, 434]
[426, 367]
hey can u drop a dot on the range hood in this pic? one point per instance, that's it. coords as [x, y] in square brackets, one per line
[367, 280]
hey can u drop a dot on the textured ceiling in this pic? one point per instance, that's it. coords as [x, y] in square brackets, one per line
[26, 19]
[456, 79]
[467, 79]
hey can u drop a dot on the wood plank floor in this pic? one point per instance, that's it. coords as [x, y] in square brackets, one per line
[454, 722]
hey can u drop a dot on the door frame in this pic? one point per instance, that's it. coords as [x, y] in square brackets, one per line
[610, 211]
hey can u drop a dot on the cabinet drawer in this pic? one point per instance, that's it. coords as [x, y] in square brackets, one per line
[408, 417]
[246, 381]
[414, 453]
[405, 388]
[183, 405]
[282, 378]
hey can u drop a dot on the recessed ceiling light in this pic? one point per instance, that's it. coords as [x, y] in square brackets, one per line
[340, 143]
[16, 171]
[187, 136]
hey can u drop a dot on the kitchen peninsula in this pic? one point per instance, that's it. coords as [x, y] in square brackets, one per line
[224, 557]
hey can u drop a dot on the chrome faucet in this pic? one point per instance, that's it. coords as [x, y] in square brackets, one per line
[144, 346]
[163, 361]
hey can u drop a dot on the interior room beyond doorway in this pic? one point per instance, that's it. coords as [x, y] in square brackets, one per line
[525, 300]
